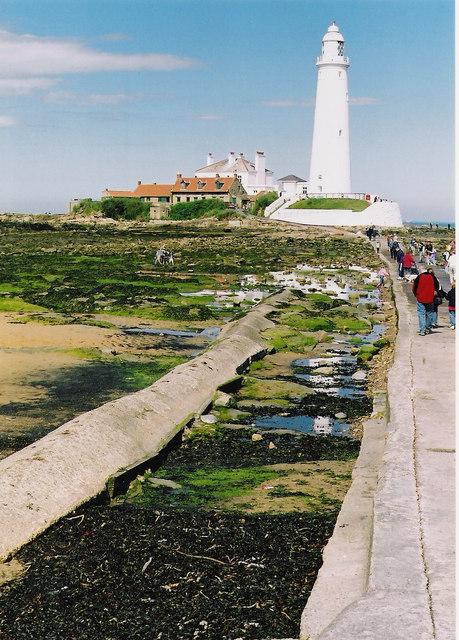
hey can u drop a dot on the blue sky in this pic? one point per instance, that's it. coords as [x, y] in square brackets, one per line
[97, 94]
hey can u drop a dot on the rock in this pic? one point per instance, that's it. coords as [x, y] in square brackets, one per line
[324, 371]
[208, 419]
[359, 375]
[235, 414]
[256, 437]
[161, 482]
[271, 445]
[340, 415]
[222, 399]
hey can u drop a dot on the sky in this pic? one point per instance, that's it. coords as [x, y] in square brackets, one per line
[102, 93]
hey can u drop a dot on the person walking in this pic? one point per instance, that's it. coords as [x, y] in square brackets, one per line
[407, 263]
[451, 297]
[424, 291]
[382, 273]
[399, 257]
[438, 297]
[421, 249]
[451, 266]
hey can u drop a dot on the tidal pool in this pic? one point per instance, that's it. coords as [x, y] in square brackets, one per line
[314, 425]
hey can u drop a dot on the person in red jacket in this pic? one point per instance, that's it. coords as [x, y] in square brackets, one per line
[424, 290]
[406, 264]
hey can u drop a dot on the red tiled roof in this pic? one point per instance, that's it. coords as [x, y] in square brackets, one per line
[148, 190]
[204, 185]
[118, 194]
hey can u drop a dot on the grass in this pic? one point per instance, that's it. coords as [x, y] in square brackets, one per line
[331, 203]
[18, 304]
[207, 488]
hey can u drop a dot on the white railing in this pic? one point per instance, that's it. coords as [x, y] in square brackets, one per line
[277, 204]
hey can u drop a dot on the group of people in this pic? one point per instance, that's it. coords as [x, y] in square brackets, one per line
[429, 296]
[373, 236]
[426, 287]
[406, 264]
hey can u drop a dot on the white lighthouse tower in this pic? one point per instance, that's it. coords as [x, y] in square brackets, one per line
[330, 170]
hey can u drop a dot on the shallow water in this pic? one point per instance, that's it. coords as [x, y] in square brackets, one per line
[314, 425]
[209, 332]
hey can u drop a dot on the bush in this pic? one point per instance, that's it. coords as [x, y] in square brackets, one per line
[87, 206]
[263, 201]
[197, 209]
[125, 209]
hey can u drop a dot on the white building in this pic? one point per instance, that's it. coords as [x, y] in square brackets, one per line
[330, 169]
[292, 185]
[254, 176]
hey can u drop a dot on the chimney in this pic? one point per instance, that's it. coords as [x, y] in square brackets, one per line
[231, 157]
[210, 159]
[260, 168]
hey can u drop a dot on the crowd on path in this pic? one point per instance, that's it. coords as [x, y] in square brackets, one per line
[426, 288]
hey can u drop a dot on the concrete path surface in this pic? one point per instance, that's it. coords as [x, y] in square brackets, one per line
[410, 590]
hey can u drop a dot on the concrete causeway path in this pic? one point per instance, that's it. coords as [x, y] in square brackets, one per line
[410, 586]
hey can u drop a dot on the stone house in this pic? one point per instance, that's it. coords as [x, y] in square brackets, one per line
[228, 189]
[157, 195]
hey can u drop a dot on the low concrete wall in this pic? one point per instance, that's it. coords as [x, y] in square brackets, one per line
[48, 479]
[381, 214]
[381, 588]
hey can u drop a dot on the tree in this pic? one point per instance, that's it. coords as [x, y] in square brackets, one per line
[125, 209]
[196, 209]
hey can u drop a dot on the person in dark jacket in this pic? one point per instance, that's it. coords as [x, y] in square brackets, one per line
[424, 291]
[438, 297]
[451, 297]
[399, 257]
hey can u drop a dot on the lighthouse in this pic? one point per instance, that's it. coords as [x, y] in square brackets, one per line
[330, 169]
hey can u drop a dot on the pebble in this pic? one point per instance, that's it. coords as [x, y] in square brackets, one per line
[209, 419]
[271, 445]
[222, 399]
[340, 415]
[256, 437]
[162, 482]
[359, 375]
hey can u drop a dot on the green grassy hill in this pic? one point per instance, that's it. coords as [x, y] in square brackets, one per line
[331, 203]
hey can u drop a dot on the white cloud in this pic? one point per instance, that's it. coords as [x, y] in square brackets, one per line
[363, 101]
[90, 99]
[209, 116]
[24, 86]
[33, 56]
[7, 121]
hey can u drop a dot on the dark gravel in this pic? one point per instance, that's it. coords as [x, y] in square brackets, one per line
[85, 579]
[234, 448]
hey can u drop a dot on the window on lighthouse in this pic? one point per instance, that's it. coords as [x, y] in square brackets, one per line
[341, 48]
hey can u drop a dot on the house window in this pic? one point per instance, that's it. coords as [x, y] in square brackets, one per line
[188, 198]
[163, 199]
[178, 198]
[218, 184]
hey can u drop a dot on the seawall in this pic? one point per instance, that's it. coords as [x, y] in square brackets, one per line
[48, 479]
